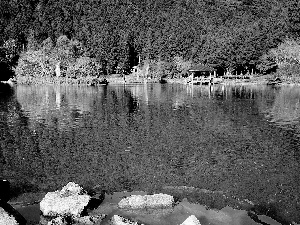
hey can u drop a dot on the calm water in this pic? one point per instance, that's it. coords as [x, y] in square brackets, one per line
[240, 140]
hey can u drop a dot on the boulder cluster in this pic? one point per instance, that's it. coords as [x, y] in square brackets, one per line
[67, 206]
[70, 206]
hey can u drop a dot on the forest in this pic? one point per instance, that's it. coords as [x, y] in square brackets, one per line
[164, 37]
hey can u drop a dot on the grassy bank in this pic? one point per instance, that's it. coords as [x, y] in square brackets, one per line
[29, 80]
[115, 79]
[88, 80]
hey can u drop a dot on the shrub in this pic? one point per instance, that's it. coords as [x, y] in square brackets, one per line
[181, 65]
[47, 45]
[83, 67]
[286, 53]
[68, 53]
[267, 63]
[160, 68]
[31, 63]
[62, 41]
[290, 72]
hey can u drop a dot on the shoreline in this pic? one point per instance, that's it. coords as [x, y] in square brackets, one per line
[113, 80]
[242, 210]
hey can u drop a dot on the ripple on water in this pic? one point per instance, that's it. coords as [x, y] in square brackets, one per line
[218, 138]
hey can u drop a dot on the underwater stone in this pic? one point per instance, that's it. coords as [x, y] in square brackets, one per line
[89, 220]
[147, 201]
[191, 220]
[119, 220]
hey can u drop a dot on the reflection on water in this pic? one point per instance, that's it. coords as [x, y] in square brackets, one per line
[142, 137]
[285, 110]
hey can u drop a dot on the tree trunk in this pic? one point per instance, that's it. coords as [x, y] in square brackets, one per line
[57, 69]
[148, 49]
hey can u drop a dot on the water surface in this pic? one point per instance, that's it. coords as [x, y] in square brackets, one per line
[241, 140]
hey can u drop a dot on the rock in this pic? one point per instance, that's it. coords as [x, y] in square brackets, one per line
[70, 201]
[6, 219]
[159, 201]
[147, 201]
[134, 202]
[191, 220]
[119, 220]
[60, 220]
[89, 220]
[71, 189]
[57, 221]
[7, 209]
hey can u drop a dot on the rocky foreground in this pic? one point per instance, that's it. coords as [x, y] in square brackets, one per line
[70, 205]
[73, 205]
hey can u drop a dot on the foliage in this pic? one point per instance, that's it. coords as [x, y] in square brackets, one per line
[267, 63]
[181, 65]
[8, 53]
[42, 62]
[159, 69]
[83, 67]
[229, 34]
[33, 63]
[287, 53]
[290, 73]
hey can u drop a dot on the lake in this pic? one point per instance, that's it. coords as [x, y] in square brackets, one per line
[241, 140]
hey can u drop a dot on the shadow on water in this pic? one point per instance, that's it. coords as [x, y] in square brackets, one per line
[17, 145]
[6, 71]
[6, 92]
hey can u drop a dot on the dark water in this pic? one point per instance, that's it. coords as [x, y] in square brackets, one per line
[241, 140]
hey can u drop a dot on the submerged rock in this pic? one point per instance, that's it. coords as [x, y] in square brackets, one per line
[63, 220]
[89, 220]
[70, 201]
[191, 220]
[119, 220]
[147, 201]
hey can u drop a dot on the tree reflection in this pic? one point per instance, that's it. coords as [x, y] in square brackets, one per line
[132, 137]
[285, 109]
[19, 149]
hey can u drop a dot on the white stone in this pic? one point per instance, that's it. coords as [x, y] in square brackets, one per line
[57, 221]
[134, 202]
[159, 201]
[191, 220]
[6, 219]
[71, 189]
[147, 201]
[68, 201]
[118, 220]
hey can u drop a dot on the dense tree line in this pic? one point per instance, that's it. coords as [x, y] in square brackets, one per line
[229, 34]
